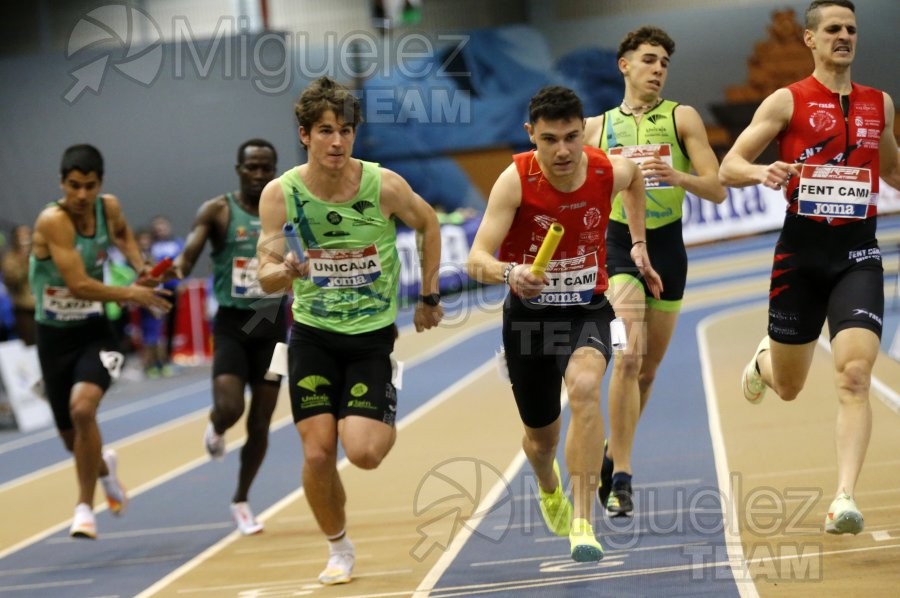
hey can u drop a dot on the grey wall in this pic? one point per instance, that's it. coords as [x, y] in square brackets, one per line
[168, 145]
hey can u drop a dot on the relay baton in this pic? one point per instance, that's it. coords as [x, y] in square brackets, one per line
[160, 268]
[547, 248]
[293, 241]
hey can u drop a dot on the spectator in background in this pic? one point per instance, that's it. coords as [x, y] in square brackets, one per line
[76, 344]
[668, 141]
[247, 324]
[165, 245]
[827, 264]
[15, 276]
[153, 332]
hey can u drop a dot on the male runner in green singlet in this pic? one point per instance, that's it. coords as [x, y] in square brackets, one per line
[77, 347]
[345, 299]
[247, 324]
[668, 140]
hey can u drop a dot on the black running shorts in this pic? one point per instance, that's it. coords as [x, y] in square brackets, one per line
[539, 340]
[821, 271]
[342, 374]
[69, 355]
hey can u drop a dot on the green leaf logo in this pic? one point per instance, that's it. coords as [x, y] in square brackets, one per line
[312, 383]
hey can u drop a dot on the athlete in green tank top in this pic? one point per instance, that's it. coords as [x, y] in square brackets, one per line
[248, 323]
[234, 263]
[76, 346]
[54, 304]
[651, 136]
[352, 253]
[668, 140]
[344, 276]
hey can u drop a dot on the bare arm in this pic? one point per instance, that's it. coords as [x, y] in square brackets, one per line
[276, 270]
[887, 147]
[55, 234]
[772, 117]
[629, 183]
[121, 234]
[504, 200]
[203, 228]
[398, 199]
[593, 128]
[705, 180]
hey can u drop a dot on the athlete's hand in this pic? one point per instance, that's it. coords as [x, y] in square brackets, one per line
[524, 283]
[777, 174]
[153, 298]
[657, 171]
[294, 267]
[641, 259]
[427, 316]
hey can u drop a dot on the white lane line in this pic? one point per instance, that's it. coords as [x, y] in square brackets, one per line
[815, 553]
[546, 582]
[46, 585]
[132, 407]
[459, 541]
[736, 560]
[485, 506]
[299, 493]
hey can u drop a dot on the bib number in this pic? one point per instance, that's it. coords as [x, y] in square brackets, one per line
[61, 306]
[834, 191]
[641, 153]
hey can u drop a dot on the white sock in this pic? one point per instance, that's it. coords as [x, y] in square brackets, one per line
[340, 543]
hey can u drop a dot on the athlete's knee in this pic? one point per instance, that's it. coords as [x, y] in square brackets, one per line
[542, 446]
[366, 456]
[82, 413]
[318, 457]
[229, 407]
[788, 390]
[583, 387]
[646, 378]
[627, 364]
[854, 379]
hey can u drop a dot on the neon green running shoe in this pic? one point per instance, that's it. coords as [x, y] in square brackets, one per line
[555, 507]
[585, 547]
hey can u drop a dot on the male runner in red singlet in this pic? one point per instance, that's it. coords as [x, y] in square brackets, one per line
[836, 139]
[556, 326]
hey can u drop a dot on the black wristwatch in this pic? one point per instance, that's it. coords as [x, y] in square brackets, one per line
[434, 299]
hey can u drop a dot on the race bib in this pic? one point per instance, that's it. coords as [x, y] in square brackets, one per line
[572, 281]
[61, 306]
[834, 191]
[344, 268]
[244, 280]
[641, 153]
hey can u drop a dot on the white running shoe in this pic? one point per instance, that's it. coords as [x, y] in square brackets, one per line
[214, 443]
[244, 519]
[116, 495]
[339, 568]
[752, 384]
[83, 523]
[843, 517]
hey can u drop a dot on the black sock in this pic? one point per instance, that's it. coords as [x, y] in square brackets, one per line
[621, 477]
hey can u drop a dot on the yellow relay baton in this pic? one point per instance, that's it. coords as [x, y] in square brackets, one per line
[548, 247]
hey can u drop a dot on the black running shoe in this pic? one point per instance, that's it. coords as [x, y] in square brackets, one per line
[606, 472]
[620, 503]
